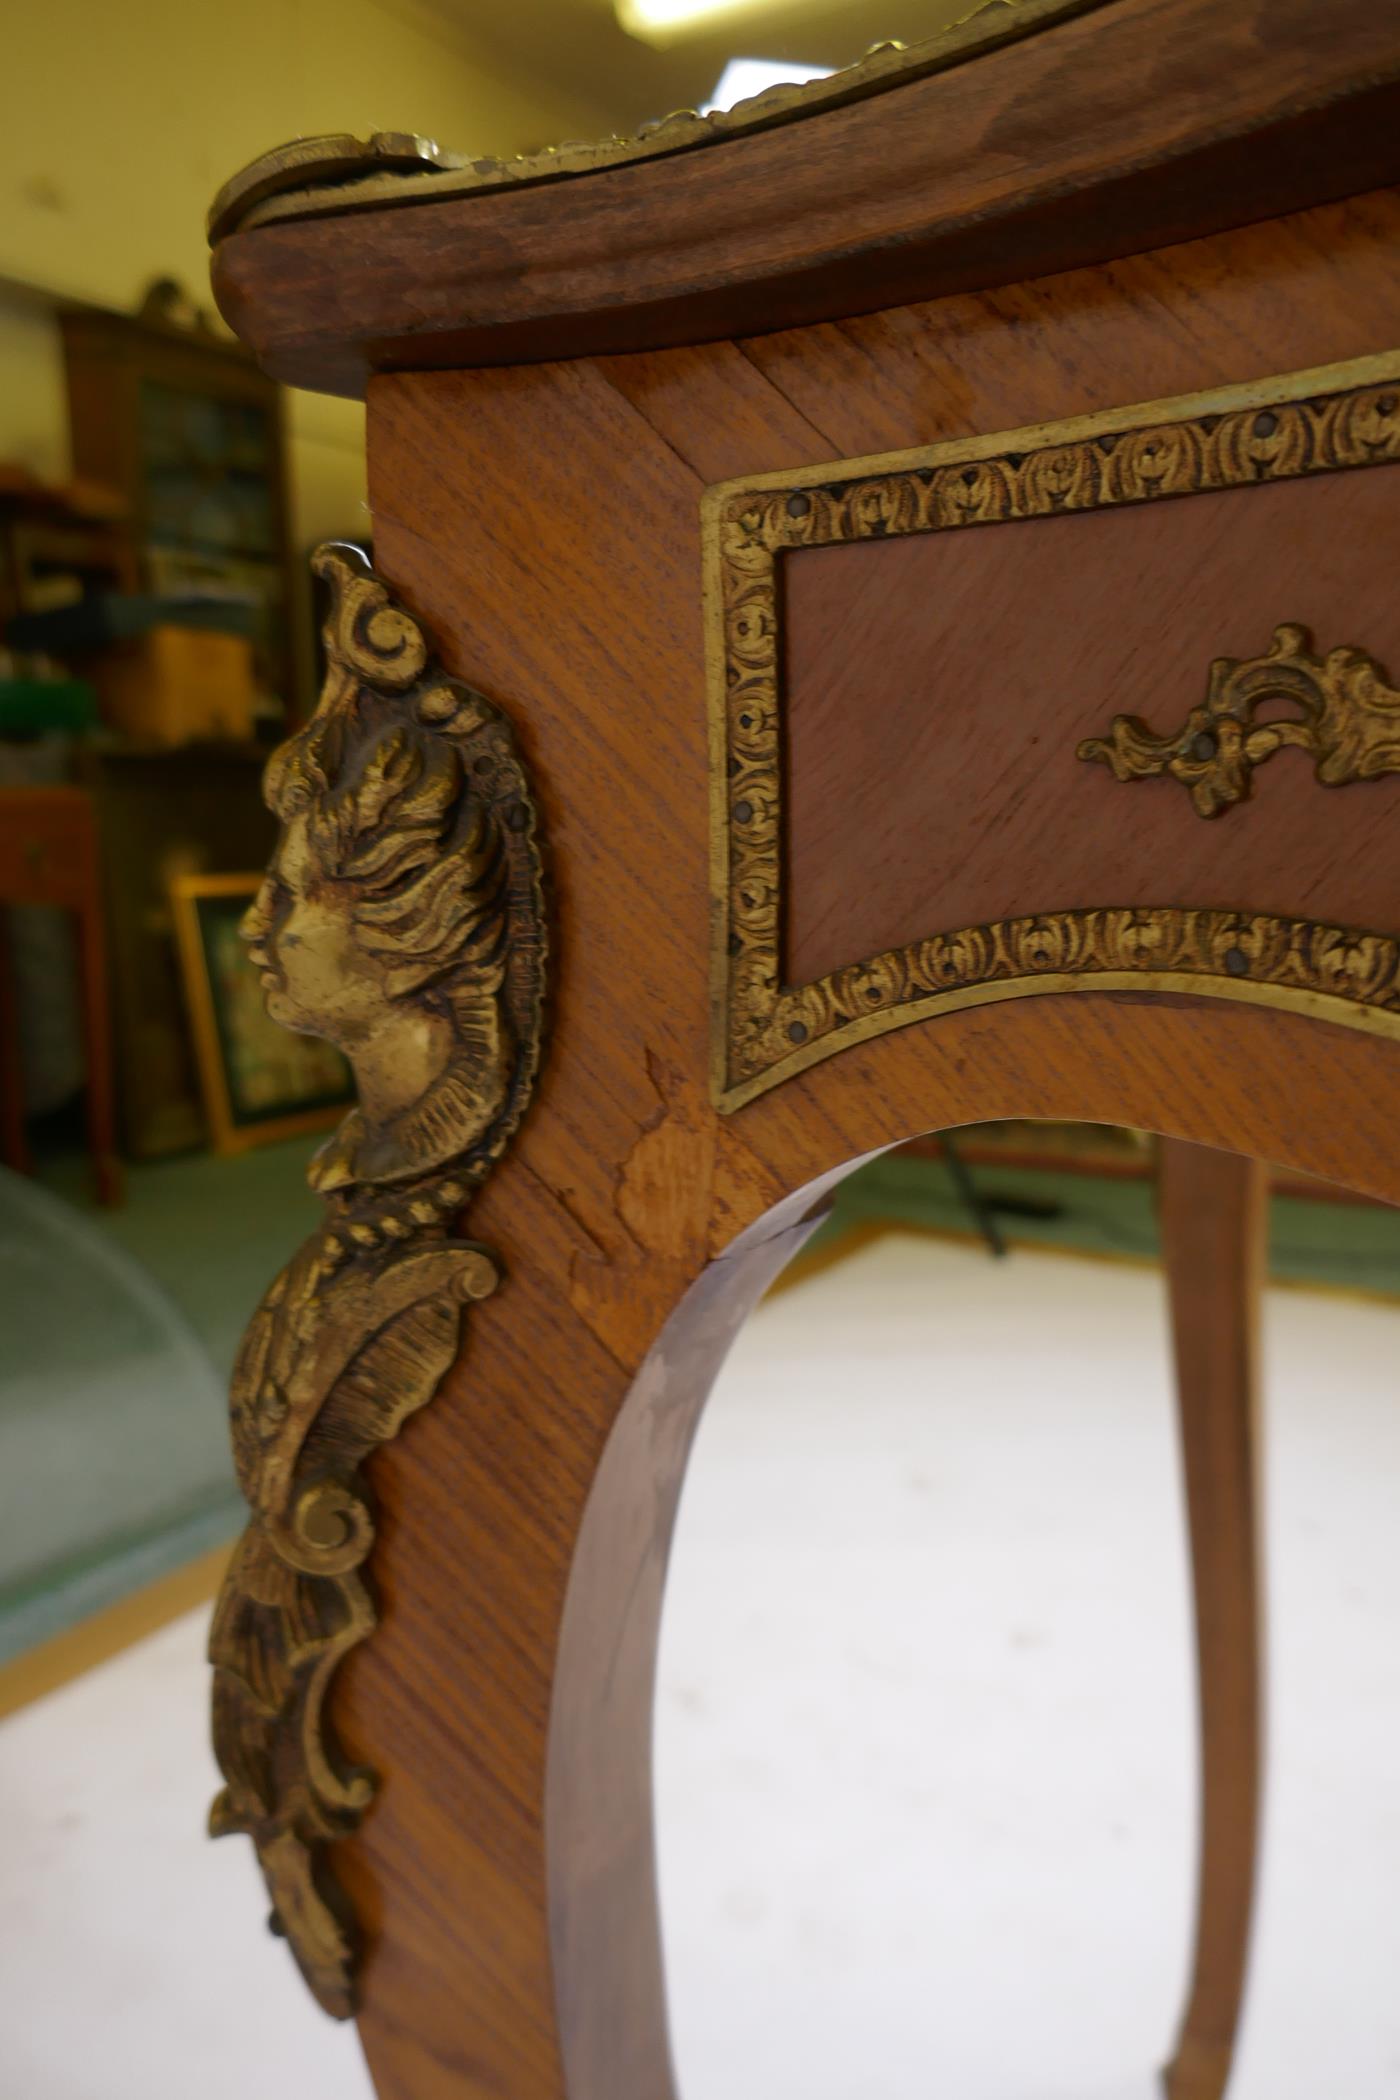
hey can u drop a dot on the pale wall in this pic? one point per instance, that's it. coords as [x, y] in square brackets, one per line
[121, 121]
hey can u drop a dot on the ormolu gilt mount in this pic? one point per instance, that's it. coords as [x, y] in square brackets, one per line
[1348, 721]
[402, 919]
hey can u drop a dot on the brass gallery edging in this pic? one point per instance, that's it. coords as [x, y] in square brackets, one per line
[318, 177]
[763, 1030]
[403, 919]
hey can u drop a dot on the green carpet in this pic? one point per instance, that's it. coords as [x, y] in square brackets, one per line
[212, 1232]
[1349, 1246]
[118, 1337]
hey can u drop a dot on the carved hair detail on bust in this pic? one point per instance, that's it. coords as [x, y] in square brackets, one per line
[386, 920]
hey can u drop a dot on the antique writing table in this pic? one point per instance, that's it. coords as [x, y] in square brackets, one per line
[883, 615]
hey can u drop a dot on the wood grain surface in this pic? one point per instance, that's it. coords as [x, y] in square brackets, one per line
[1141, 123]
[908, 661]
[543, 522]
[1214, 1209]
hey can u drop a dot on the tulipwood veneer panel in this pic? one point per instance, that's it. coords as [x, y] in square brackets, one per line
[936, 689]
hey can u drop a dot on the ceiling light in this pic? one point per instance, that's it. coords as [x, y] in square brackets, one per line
[744, 77]
[663, 22]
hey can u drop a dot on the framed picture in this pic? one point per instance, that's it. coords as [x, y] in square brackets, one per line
[259, 1081]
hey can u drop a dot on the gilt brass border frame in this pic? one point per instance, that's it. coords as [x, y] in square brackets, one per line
[1331, 418]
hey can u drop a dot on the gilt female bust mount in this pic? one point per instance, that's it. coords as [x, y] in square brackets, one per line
[402, 920]
[383, 921]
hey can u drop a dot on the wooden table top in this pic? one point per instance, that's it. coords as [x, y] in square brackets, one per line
[1037, 137]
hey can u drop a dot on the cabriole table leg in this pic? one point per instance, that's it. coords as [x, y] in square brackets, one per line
[1213, 1217]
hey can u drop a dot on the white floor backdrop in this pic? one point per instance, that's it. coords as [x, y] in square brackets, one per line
[925, 1762]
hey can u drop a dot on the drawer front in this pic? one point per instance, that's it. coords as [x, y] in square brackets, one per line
[918, 663]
